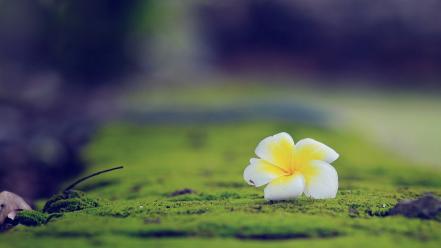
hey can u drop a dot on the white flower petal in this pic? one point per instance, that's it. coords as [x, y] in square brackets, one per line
[277, 149]
[12, 215]
[321, 180]
[284, 188]
[260, 172]
[315, 150]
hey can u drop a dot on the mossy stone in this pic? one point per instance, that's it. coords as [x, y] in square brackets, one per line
[223, 210]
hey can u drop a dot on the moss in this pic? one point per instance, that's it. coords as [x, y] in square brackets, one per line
[137, 207]
[31, 218]
[68, 201]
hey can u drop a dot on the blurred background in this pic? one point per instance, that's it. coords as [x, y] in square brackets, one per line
[68, 67]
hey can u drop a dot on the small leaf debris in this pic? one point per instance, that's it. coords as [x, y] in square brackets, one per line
[182, 192]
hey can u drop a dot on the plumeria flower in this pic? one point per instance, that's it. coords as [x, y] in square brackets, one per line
[291, 169]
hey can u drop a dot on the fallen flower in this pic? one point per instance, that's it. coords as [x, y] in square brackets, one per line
[10, 204]
[292, 169]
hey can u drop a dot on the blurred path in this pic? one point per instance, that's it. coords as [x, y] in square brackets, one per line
[406, 123]
[409, 124]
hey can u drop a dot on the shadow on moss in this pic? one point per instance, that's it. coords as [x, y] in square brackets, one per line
[165, 233]
[282, 236]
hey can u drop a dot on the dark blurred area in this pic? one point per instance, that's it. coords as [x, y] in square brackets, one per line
[64, 64]
[391, 39]
[84, 41]
[59, 62]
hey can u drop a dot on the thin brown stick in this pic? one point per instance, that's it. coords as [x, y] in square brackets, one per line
[89, 176]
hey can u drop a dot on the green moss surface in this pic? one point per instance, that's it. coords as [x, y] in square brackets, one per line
[140, 204]
[31, 218]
